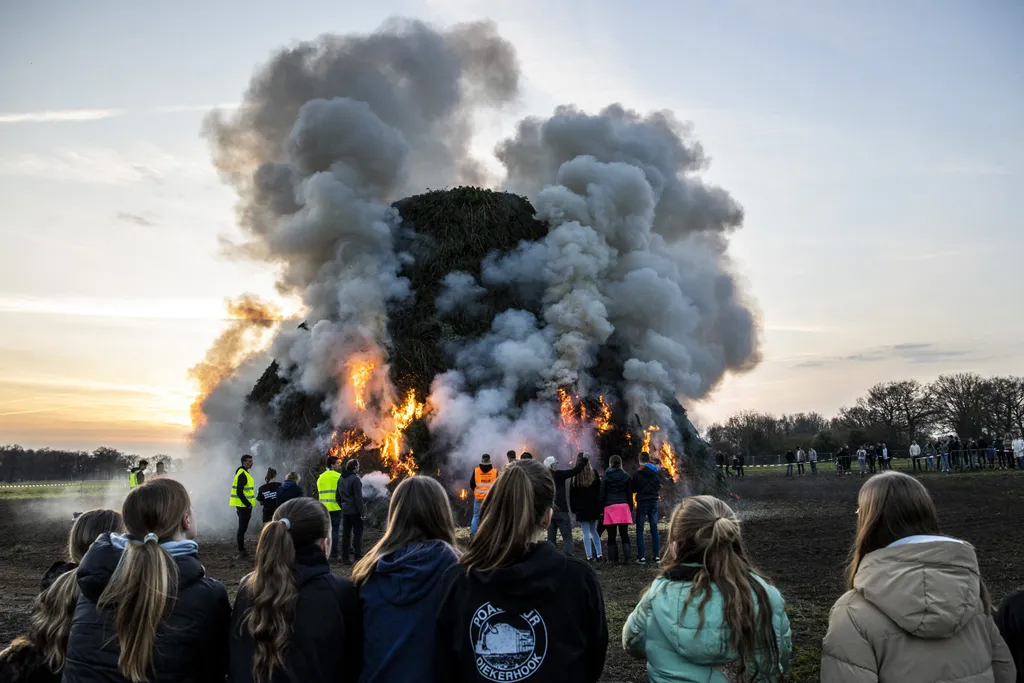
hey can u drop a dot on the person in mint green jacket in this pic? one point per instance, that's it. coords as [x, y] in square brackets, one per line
[709, 617]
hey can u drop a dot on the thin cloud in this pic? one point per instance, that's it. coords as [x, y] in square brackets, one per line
[177, 108]
[134, 219]
[915, 353]
[969, 168]
[146, 163]
[61, 115]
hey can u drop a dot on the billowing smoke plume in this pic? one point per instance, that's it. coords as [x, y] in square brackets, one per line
[329, 134]
[631, 292]
[218, 401]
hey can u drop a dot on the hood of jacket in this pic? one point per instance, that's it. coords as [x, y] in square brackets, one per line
[412, 572]
[928, 585]
[678, 625]
[538, 572]
[289, 484]
[99, 564]
[348, 474]
[485, 468]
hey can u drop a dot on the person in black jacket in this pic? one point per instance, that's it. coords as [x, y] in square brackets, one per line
[267, 494]
[350, 497]
[585, 500]
[1010, 620]
[516, 610]
[647, 487]
[617, 504]
[790, 459]
[289, 489]
[38, 656]
[293, 619]
[560, 520]
[147, 611]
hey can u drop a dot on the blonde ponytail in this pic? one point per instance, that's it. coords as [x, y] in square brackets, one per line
[511, 516]
[705, 531]
[50, 623]
[145, 584]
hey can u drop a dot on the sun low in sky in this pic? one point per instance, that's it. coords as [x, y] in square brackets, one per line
[876, 148]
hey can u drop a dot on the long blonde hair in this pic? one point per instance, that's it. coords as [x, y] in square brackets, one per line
[511, 516]
[50, 624]
[587, 477]
[271, 588]
[705, 531]
[145, 584]
[419, 511]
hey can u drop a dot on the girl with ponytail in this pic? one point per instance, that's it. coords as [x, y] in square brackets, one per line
[515, 609]
[293, 619]
[38, 656]
[147, 611]
[709, 616]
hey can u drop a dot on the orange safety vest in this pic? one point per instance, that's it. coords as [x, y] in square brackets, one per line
[484, 481]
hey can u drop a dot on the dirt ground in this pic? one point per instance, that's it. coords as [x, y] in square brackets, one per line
[798, 530]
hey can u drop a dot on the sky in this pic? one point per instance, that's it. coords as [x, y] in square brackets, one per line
[877, 148]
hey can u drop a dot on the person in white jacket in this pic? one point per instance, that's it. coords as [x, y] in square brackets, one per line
[915, 456]
[801, 458]
[1018, 450]
[812, 457]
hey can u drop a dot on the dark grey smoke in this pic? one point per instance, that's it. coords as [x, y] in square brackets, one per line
[634, 270]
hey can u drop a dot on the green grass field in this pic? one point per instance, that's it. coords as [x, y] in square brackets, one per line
[56, 489]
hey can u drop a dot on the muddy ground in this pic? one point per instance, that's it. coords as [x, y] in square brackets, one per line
[799, 531]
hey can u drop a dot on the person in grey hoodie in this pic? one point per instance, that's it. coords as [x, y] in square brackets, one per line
[350, 497]
[916, 609]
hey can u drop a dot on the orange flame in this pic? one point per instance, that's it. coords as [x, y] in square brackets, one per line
[463, 494]
[603, 419]
[359, 374]
[668, 459]
[351, 442]
[391, 445]
[663, 450]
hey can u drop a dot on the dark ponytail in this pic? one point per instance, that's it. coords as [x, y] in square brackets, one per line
[271, 588]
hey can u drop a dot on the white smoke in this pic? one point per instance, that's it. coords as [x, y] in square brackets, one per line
[375, 485]
[633, 284]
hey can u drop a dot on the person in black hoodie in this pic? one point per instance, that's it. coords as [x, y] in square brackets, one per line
[647, 487]
[147, 611]
[1010, 620]
[267, 494]
[350, 496]
[289, 489]
[585, 499]
[293, 619]
[38, 656]
[560, 520]
[618, 507]
[399, 580]
[516, 610]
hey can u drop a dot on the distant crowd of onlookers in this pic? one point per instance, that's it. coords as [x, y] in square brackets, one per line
[945, 454]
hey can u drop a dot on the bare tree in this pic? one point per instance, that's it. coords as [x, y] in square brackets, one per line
[958, 402]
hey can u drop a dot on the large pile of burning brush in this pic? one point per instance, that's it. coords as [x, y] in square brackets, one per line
[570, 313]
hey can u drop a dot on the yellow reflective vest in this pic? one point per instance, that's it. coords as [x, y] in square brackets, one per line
[327, 490]
[248, 489]
[484, 481]
[133, 478]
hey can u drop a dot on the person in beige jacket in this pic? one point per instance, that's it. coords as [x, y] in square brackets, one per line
[916, 610]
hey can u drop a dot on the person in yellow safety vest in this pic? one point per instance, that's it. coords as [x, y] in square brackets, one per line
[137, 475]
[484, 476]
[327, 492]
[243, 497]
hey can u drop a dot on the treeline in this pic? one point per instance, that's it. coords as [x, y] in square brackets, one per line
[19, 464]
[898, 413]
